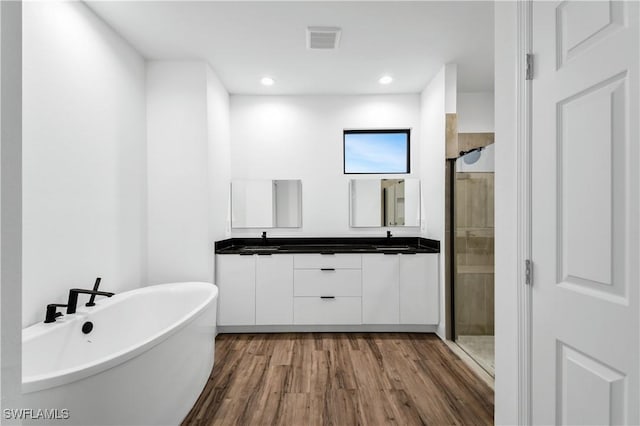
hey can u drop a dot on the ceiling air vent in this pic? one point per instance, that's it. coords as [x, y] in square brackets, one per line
[325, 38]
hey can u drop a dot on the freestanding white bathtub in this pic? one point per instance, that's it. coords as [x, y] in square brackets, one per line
[145, 362]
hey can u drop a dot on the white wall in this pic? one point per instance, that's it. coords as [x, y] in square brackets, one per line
[300, 137]
[506, 300]
[451, 88]
[475, 112]
[10, 205]
[432, 114]
[436, 101]
[219, 160]
[187, 128]
[476, 115]
[83, 156]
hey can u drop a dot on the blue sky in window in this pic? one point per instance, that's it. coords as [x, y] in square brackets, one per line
[375, 153]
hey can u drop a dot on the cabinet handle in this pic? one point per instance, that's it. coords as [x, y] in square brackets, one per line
[265, 254]
[391, 254]
[327, 253]
[327, 297]
[327, 269]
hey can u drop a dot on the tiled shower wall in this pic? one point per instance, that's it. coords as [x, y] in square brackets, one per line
[474, 245]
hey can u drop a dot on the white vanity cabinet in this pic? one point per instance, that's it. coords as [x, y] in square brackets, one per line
[274, 289]
[349, 289]
[400, 289]
[419, 288]
[327, 289]
[255, 289]
[236, 280]
[380, 289]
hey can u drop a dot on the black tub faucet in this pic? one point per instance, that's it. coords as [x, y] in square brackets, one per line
[389, 234]
[52, 313]
[92, 299]
[264, 237]
[73, 297]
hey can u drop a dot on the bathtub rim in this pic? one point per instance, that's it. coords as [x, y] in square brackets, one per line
[56, 378]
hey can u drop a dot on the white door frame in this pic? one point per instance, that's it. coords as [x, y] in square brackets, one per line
[10, 205]
[523, 149]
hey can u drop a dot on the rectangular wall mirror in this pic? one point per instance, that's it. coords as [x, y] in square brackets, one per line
[384, 202]
[266, 203]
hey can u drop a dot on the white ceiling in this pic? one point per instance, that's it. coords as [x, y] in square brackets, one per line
[244, 41]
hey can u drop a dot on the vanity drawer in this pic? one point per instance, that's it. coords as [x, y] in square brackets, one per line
[339, 310]
[336, 282]
[337, 261]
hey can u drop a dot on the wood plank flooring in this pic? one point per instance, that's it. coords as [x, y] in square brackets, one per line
[340, 379]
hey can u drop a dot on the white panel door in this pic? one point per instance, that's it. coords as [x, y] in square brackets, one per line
[236, 280]
[380, 289]
[585, 192]
[419, 289]
[274, 289]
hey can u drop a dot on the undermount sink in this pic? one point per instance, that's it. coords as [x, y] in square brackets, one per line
[261, 248]
[393, 248]
[324, 247]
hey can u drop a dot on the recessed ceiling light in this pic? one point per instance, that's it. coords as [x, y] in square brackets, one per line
[267, 81]
[385, 79]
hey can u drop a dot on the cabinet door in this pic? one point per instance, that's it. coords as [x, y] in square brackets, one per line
[274, 289]
[419, 289]
[318, 311]
[236, 280]
[380, 294]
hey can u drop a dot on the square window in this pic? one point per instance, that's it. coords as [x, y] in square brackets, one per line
[376, 151]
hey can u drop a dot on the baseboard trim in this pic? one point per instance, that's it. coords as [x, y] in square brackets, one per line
[368, 328]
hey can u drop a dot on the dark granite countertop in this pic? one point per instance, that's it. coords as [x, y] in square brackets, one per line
[248, 246]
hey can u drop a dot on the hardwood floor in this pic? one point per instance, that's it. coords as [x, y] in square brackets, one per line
[340, 379]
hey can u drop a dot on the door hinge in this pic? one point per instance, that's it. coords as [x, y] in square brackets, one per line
[528, 272]
[529, 66]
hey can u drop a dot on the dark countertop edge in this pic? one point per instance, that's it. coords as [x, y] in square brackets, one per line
[419, 244]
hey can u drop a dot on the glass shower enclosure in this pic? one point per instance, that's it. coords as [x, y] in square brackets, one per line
[472, 237]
